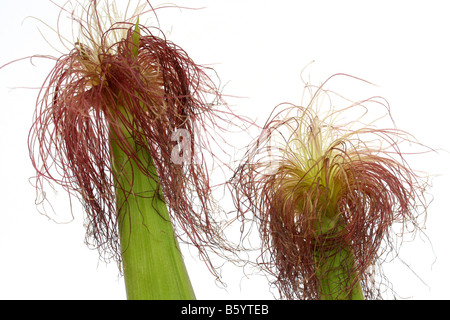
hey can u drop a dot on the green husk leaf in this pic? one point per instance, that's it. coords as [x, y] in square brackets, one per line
[135, 39]
[153, 266]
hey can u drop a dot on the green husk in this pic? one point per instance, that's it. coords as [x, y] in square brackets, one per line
[153, 266]
[335, 270]
[337, 282]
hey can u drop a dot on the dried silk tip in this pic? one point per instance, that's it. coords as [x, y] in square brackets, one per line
[326, 195]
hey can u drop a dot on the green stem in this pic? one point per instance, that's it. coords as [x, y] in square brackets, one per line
[153, 266]
[337, 281]
[335, 270]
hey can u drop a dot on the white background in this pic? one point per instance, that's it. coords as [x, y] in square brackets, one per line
[259, 49]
